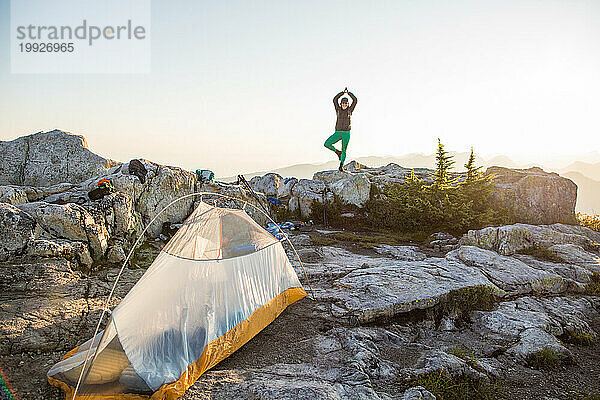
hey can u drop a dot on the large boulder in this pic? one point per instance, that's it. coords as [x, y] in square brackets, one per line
[118, 212]
[44, 306]
[44, 159]
[534, 196]
[49, 306]
[285, 189]
[349, 188]
[574, 254]
[355, 190]
[396, 174]
[379, 176]
[23, 237]
[529, 325]
[267, 184]
[331, 176]
[511, 239]
[37, 193]
[273, 185]
[169, 184]
[304, 194]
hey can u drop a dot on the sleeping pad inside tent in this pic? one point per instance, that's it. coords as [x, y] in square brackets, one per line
[218, 282]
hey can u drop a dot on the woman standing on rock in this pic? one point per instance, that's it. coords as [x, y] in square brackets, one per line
[342, 125]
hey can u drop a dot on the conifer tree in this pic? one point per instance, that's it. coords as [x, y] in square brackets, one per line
[473, 173]
[444, 164]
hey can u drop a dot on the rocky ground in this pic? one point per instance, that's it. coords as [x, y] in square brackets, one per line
[466, 319]
[508, 312]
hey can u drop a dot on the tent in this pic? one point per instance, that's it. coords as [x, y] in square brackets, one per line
[219, 281]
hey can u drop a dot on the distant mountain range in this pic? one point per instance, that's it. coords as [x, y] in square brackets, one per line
[412, 160]
[590, 170]
[585, 175]
[588, 192]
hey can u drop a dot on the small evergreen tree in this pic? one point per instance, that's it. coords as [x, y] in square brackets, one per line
[444, 163]
[475, 180]
[477, 189]
[472, 172]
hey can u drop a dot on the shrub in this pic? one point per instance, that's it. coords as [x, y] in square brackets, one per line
[281, 214]
[445, 205]
[588, 396]
[331, 214]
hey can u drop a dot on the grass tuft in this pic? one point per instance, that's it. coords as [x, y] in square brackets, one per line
[465, 354]
[544, 359]
[460, 302]
[444, 387]
[577, 336]
[322, 240]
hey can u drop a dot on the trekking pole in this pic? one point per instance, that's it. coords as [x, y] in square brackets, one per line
[325, 207]
[254, 195]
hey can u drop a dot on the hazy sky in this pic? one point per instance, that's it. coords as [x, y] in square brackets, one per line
[247, 85]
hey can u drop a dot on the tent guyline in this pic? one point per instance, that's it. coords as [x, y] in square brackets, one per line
[98, 343]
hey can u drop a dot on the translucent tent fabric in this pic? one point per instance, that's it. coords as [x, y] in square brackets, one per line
[218, 282]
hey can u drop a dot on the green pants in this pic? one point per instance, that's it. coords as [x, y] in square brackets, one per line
[344, 136]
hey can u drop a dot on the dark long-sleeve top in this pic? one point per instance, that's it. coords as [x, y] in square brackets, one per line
[343, 116]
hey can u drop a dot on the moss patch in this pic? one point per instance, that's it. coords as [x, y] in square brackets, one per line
[543, 254]
[593, 288]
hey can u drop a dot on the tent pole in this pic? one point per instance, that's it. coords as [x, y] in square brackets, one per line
[141, 235]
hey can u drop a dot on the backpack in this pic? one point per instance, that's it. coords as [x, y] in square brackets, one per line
[205, 175]
[138, 169]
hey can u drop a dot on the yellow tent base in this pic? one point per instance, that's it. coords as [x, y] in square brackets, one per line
[215, 352]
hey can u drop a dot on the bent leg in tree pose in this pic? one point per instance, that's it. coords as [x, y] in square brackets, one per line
[342, 125]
